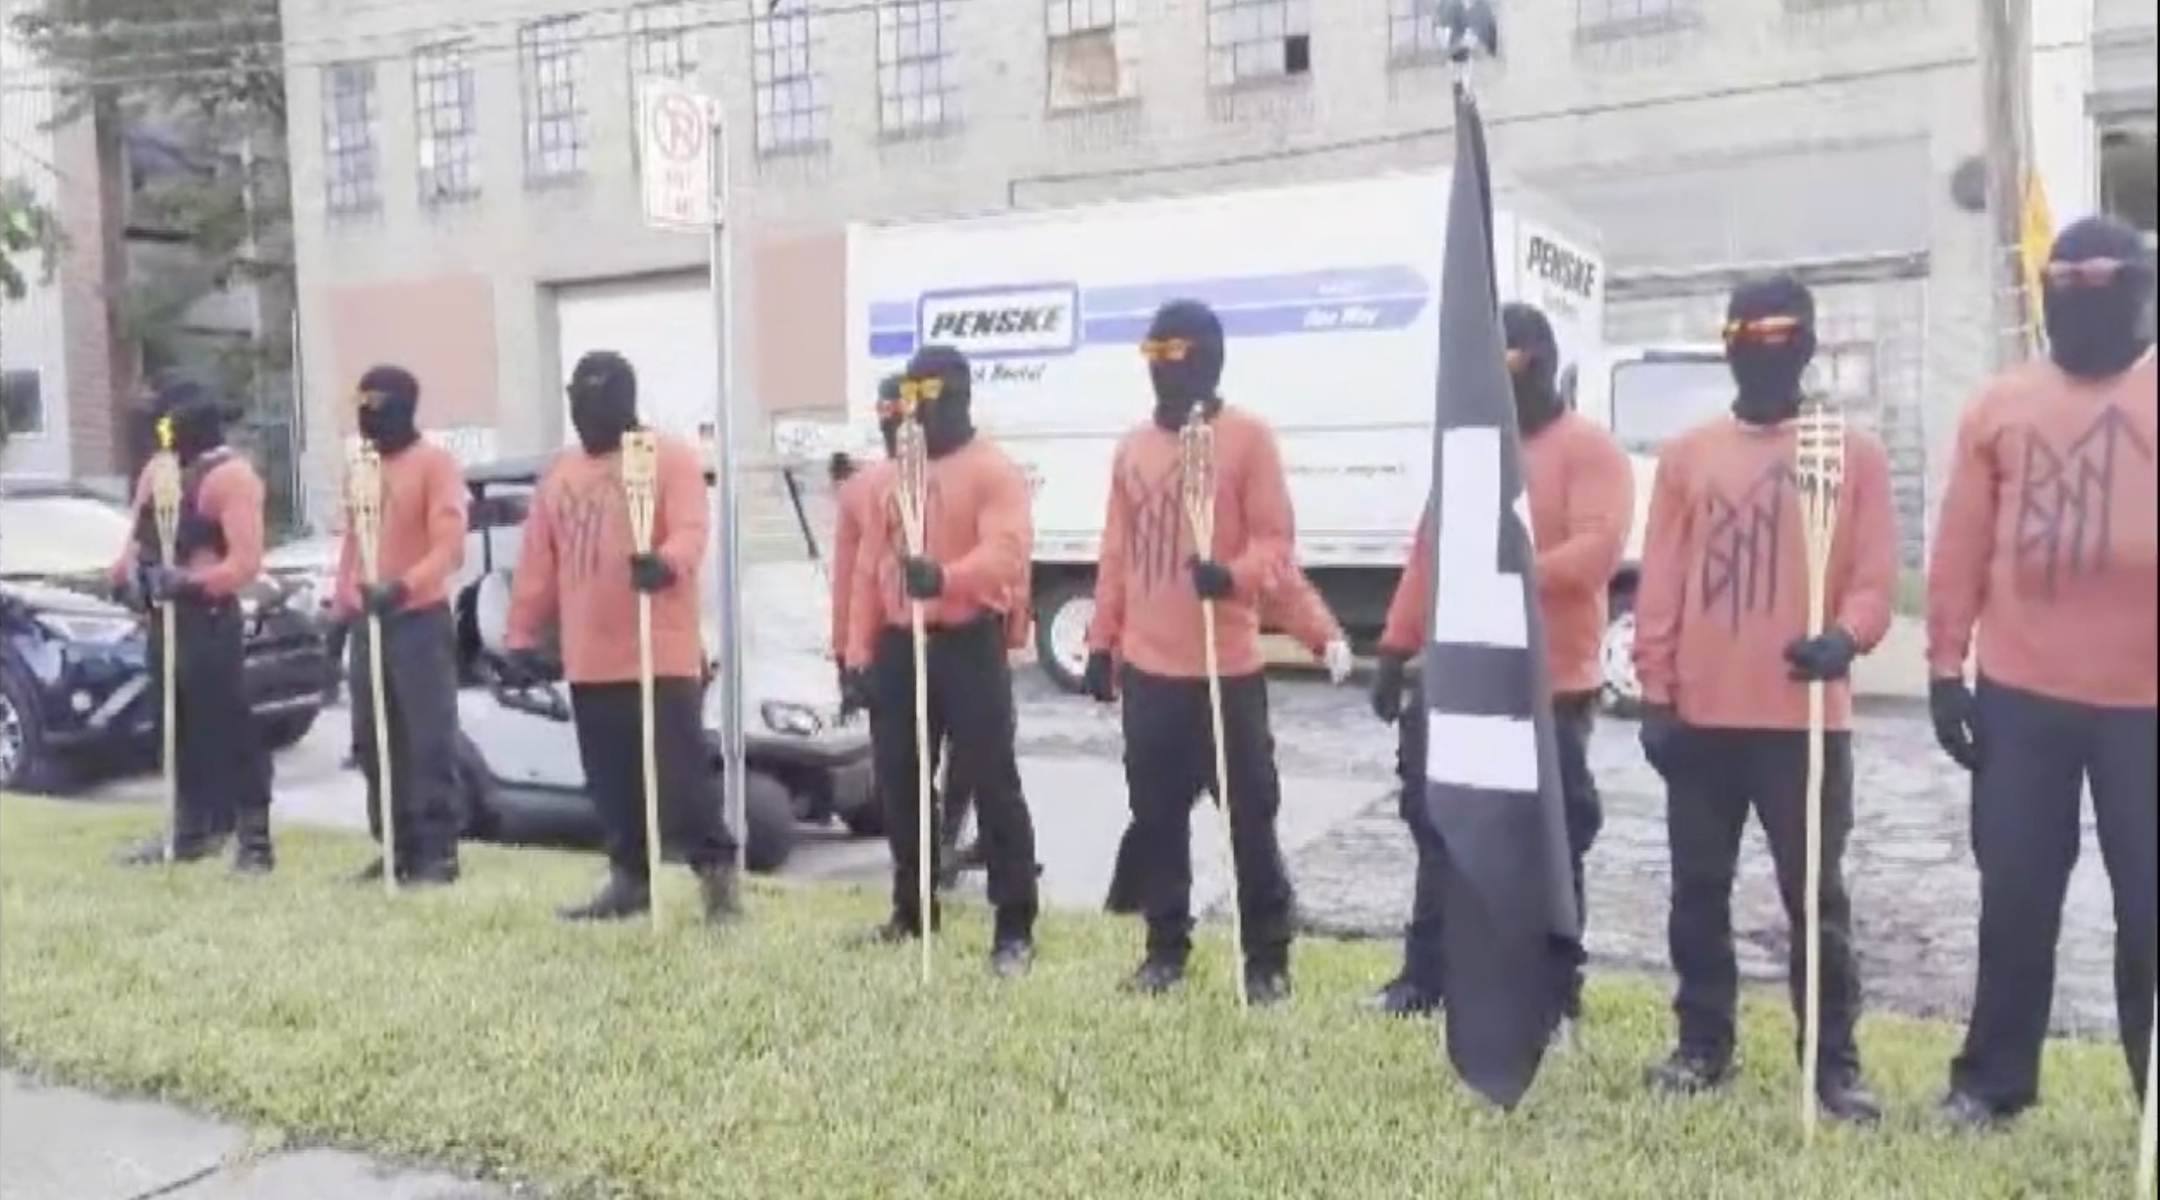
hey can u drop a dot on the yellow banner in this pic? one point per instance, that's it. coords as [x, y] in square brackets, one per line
[2036, 236]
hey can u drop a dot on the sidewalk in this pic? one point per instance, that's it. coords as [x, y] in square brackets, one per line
[63, 1144]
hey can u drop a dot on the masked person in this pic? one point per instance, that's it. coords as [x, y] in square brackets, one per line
[1298, 609]
[1581, 494]
[977, 539]
[862, 489]
[419, 546]
[2047, 545]
[579, 570]
[1722, 652]
[221, 767]
[1150, 581]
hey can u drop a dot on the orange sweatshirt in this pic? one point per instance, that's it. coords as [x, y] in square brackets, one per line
[2047, 540]
[422, 540]
[857, 500]
[1725, 575]
[978, 527]
[1582, 500]
[230, 494]
[1146, 611]
[1296, 607]
[574, 566]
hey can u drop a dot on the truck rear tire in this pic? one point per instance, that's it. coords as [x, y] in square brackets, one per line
[1619, 692]
[1062, 611]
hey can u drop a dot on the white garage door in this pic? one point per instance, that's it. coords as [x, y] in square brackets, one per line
[665, 327]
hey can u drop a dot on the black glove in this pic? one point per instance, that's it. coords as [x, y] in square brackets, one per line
[854, 691]
[1950, 706]
[1387, 686]
[382, 599]
[925, 579]
[1822, 659]
[1664, 739]
[517, 670]
[130, 590]
[1098, 682]
[1212, 579]
[649, 573]
[165, 584]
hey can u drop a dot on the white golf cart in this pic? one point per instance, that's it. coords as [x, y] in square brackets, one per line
[525, 784]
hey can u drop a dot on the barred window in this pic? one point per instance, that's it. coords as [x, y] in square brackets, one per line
[549, 58]
[352, 156]
[1255, 40]
[1092, 49]
[793, 111]
[918, 81]
[1600, 20]
[1414, 33]
[663, 40]
[449, 128]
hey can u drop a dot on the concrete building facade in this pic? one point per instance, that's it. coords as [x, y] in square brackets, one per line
[56, 364]
[463, 172]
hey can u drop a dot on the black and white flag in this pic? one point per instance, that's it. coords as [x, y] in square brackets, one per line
[1492, 782]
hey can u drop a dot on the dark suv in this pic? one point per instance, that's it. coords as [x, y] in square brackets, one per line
[74, 669]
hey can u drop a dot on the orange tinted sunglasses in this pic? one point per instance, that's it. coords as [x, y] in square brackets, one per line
[1765, 331]
[1165, 350]
[2090, 272]
[914, 392]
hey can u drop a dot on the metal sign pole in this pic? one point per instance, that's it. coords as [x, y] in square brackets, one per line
[727, 470]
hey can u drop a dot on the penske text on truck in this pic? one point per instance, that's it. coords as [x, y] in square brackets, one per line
[1328, 292]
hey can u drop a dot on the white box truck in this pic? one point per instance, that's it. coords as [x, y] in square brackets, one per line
[1329, 293]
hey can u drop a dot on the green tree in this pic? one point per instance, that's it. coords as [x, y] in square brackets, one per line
[27, 230]
[208, 78]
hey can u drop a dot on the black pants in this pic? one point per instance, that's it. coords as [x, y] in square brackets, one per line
[220, 764]
[2026, 802]
[970, 712]
[419, 659]
[1719, 776]
[1169, 761]
[1574, 719]
[610, 733]
[334, 641]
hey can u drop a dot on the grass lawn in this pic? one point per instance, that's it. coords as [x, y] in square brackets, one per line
[469, 1028]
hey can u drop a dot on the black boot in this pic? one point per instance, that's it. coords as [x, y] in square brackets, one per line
[1012, 957]
[252, 850]
[893, 930]
[1968, 1112]
[151, 852]
[1845, 1097]
[1012, 940]
[1158, 974]
[434, 870]
[623, 896]
[720, 894]
[1266, 985]
[1402, 998]
[1688, 1073]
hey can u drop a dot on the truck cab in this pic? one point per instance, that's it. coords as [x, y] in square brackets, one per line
[1646, 394]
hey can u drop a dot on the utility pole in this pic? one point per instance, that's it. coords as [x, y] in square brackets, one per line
[2006, 59]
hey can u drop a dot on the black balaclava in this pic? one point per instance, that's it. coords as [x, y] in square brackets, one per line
[195, 417]
[888, 413]
[389, 409]
[947, 424]
[2099, 280]
[1769, 341]
[603, 401]
[1533, 367]
[1184, 351]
